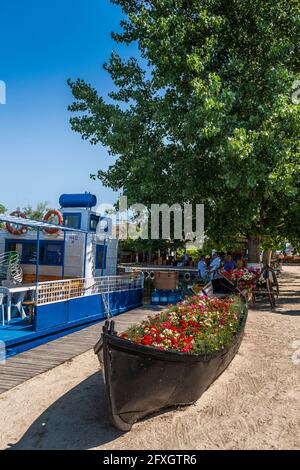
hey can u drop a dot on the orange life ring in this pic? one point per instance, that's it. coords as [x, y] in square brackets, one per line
[49, 214]
[12, 228]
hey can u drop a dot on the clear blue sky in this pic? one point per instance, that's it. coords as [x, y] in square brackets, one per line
[42, 43]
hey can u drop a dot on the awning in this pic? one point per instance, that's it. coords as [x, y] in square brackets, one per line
[36, 223]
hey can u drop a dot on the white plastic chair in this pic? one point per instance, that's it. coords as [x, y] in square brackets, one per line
[17, 300]
[4, 295]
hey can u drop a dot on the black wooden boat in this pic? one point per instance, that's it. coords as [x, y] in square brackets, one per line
[141, 380]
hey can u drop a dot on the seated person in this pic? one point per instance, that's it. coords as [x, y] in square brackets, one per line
[186, 259]
[202, 268]
[229, 264]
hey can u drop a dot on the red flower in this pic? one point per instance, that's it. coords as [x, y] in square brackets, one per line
[154, 329]
[147, 340]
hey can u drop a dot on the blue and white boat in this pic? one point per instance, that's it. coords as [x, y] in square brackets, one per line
[56, 279]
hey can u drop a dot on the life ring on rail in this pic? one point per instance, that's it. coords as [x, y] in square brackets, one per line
[12, 228]
[187, 277]
[58, 214]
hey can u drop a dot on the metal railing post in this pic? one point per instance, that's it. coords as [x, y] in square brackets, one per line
[108, 300]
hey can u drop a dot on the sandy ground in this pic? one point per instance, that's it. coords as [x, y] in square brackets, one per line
[255, 404]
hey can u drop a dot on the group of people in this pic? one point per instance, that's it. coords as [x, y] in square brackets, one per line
[206, 271]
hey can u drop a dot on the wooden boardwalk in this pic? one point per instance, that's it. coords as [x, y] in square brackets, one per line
[26, 365]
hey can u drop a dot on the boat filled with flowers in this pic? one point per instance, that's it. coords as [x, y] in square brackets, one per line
[171, 358]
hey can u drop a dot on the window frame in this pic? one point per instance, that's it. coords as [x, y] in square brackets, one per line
[94, 217]
[77, 214]
[43, 244]
[104, 253]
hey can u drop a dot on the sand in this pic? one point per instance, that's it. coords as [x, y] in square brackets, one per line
[255, 404]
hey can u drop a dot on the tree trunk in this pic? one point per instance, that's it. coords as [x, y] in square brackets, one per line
[267, 256]
[253, 250]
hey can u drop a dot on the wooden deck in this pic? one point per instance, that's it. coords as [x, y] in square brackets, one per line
[24, 366]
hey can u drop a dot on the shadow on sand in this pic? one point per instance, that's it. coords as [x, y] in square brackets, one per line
[286, 299]
[78, 420]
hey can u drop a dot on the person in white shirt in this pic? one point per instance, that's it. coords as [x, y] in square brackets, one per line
[202, 268]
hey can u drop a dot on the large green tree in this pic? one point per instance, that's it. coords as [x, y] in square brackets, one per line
[205, 114]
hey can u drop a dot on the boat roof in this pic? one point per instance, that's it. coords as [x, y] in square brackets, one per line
[11, 219]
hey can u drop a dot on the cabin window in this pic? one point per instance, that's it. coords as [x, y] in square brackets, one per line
[51, 253]
[29, 253]
[14, 246]
[11, 246]
[54, 254]
[101, 252]
[94, 220]
[72, 220]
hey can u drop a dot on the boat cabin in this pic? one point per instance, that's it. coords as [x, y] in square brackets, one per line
[55, 277]
[85, 252]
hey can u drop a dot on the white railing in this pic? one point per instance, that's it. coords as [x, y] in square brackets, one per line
[54, 291]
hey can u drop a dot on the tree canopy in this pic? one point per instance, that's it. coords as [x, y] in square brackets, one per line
[2, 210]
[205, 114]
[36, 213]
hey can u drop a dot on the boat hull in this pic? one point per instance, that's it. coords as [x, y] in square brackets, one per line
[141, 380]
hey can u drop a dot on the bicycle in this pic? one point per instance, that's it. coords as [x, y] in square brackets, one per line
[267, 286]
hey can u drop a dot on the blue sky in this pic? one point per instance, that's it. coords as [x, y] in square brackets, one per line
[42, 43]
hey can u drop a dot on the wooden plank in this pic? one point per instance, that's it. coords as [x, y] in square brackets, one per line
[24, 366]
